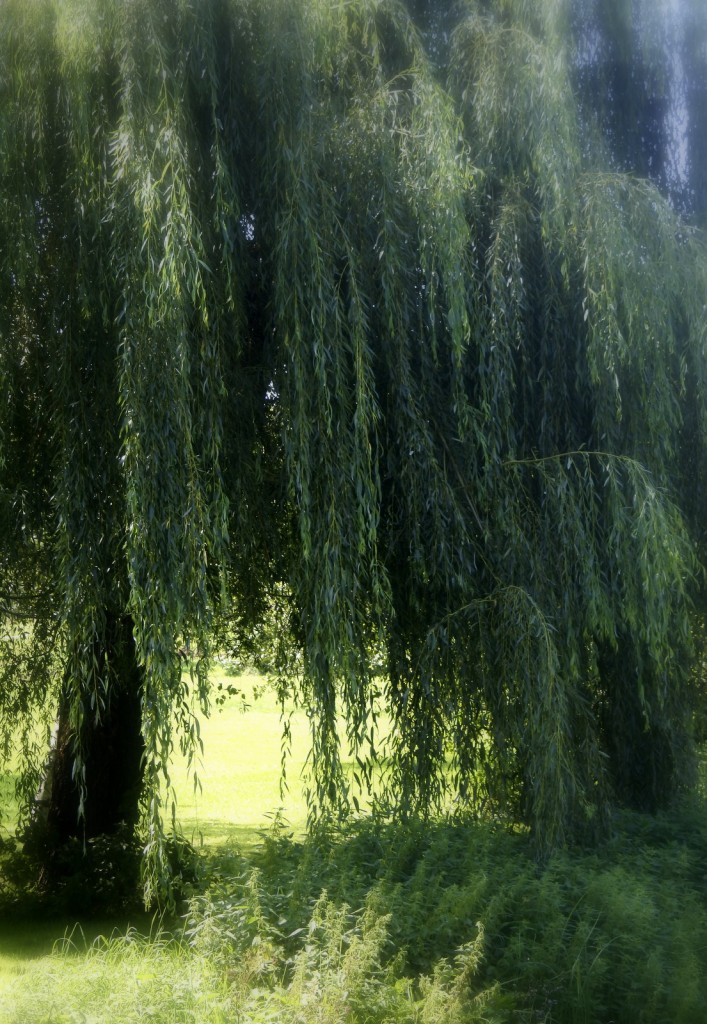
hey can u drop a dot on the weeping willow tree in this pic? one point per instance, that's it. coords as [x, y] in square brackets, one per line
[343, 309]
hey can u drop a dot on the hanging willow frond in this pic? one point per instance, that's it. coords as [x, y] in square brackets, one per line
[308, 314]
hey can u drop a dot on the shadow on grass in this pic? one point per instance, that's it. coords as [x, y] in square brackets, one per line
[27, 936]
[215, 834]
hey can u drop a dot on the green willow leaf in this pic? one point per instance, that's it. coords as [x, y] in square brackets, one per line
[350, 346]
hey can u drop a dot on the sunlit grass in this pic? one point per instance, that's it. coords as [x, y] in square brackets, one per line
[240, 769]
[134, 978]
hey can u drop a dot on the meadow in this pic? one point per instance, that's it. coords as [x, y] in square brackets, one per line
[368, 922]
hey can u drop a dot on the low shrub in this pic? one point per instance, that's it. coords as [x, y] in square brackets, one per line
[618, 934]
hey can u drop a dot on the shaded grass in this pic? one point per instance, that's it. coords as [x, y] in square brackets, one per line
[25, 938]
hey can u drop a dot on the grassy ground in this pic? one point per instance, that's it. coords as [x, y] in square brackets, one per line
[444, 923]
[240, 770]
[239, 797]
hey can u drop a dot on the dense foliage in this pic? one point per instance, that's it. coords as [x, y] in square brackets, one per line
[348, 318]
[408, 925]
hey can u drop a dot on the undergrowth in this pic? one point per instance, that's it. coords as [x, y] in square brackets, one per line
[428, 924]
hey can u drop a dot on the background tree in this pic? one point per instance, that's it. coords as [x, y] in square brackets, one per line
[639, 70]
[347, 303]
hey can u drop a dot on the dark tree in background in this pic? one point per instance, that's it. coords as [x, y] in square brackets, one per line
[390, 318]
[641, 73]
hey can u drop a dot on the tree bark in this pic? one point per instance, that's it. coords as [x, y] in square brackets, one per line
[112, 748]
[643, 749]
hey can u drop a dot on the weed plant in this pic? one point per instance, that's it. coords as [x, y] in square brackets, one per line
[436, 923]
[616, 935]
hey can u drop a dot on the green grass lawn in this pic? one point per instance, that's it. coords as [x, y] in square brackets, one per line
[239, 771]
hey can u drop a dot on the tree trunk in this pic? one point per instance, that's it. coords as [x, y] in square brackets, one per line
[112, 748]
[643, 746]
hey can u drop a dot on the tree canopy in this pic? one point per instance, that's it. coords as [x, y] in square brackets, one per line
[361, 312]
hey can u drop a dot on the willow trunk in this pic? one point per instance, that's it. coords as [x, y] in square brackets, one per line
[112, 749]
